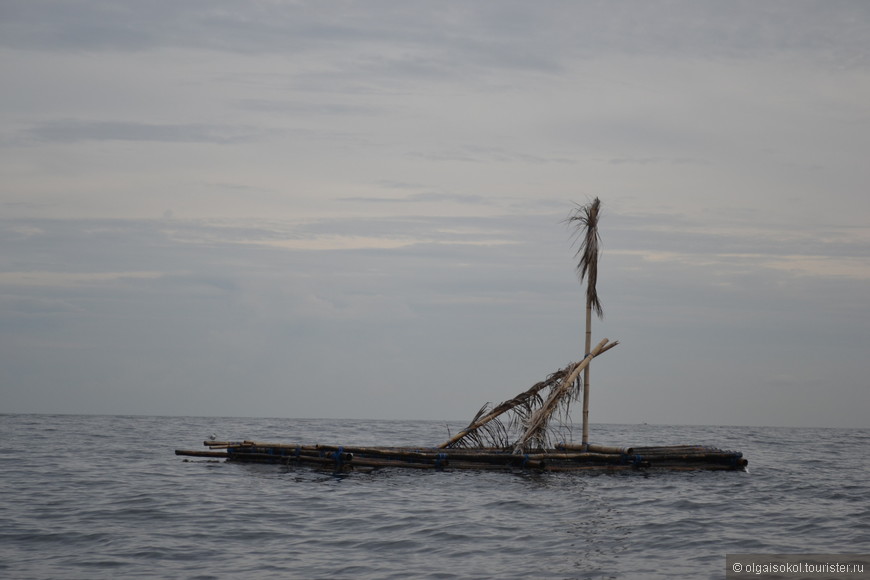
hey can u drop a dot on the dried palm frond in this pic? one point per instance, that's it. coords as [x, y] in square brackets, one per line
[555, 409]
[531, 418]
[584, 218]
[492, 433]
[523, 405]
[557, 404]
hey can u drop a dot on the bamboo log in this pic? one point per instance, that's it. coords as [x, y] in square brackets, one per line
[298, 453]
[439, 455]
[564, 458]
[200, 453]
[483, 466]
[670, 458]
[582, 456]
[562, 450]
[368, 462]
[691, 457]
[293, 446]
[409, 453]
[417, 452]
[670, 449]
[272, 458]
[400, 457]
[599, 448]
[433, 451]
[355, 455]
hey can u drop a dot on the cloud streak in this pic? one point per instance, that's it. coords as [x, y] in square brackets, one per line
[74, 131]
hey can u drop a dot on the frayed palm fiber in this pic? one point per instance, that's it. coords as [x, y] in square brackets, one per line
[489, 429]
[531, 421]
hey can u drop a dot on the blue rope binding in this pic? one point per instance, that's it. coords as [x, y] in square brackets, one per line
[338, 458]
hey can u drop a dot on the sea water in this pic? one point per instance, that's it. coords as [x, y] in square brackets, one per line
[95, 497]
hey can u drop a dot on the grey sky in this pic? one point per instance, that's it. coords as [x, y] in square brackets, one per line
[353, 209]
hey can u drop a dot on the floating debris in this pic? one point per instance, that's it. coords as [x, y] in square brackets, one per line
[516, 434]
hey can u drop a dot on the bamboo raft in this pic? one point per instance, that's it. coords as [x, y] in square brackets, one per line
[563, 457]
[488, 442]
[517, 434]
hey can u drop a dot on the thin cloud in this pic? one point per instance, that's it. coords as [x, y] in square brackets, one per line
[427, 197]
[317, 108]
[74, 131]
[482, 154]
[657, 160]
[58, 279]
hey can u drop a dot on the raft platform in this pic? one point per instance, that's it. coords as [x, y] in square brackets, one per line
[563, 457]
[517, 434]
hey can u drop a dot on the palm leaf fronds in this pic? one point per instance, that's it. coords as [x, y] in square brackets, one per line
[540, 424]
[584, 218]
[530, 419]
[522, 405]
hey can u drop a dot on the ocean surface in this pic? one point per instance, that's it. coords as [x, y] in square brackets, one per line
[95, 497]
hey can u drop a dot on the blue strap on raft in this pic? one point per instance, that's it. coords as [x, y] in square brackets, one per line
[338, 455]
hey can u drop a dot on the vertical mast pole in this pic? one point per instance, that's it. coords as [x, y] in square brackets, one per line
[586, 374]
[585, 220]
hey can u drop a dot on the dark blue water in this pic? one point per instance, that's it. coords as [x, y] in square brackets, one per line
[105, 497]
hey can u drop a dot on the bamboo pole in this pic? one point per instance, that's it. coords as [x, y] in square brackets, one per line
[585, 219]
[585, 440]
[610, 449]
[200, 453]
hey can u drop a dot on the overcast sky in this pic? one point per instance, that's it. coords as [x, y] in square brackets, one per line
[354, 209]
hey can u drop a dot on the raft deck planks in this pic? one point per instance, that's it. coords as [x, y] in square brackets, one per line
[562, 458]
